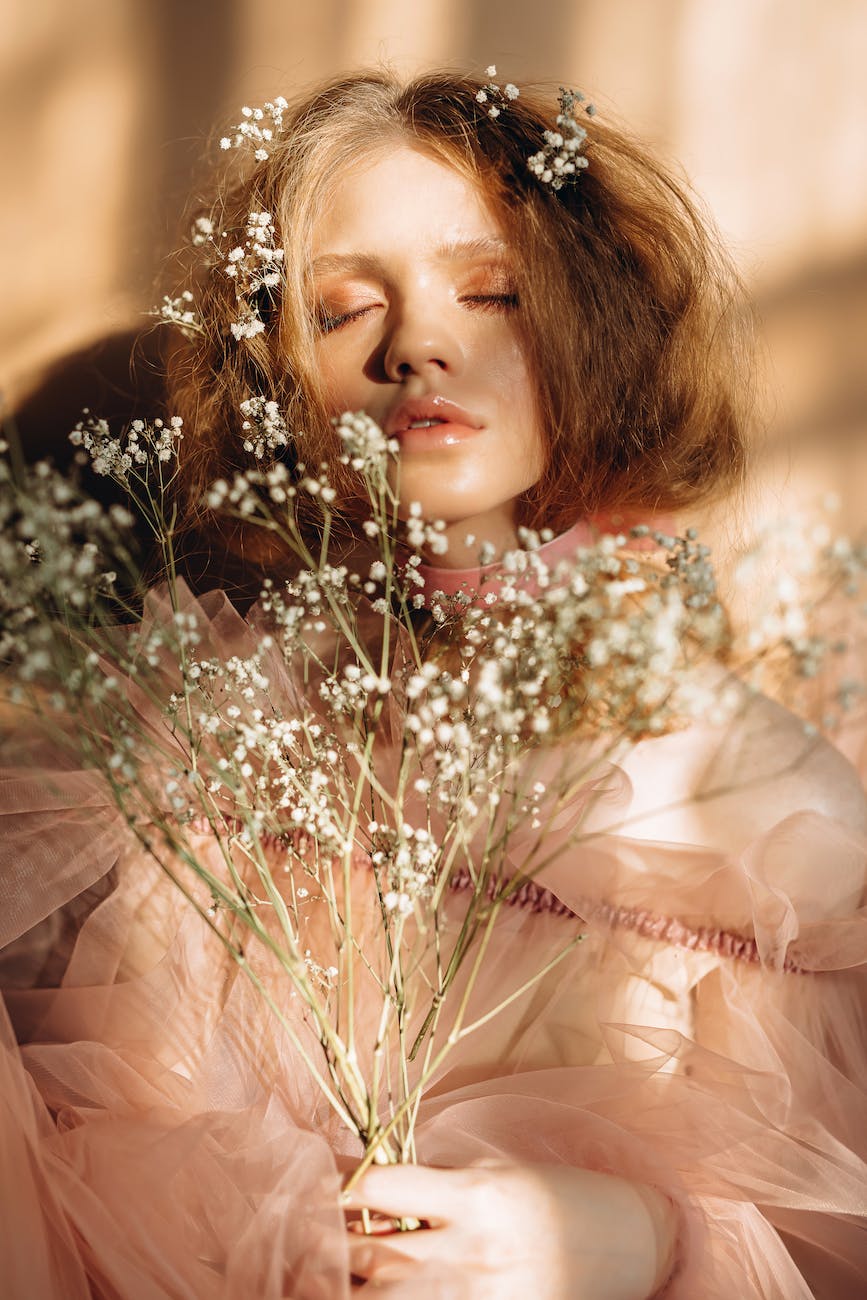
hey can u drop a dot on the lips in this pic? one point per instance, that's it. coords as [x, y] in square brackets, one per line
[429, 416]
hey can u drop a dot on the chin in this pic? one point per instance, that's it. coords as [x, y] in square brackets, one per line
[447, 511]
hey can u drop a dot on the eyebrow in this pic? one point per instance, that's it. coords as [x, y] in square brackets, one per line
[453, 250]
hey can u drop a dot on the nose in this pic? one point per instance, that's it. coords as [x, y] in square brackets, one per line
[421, 340]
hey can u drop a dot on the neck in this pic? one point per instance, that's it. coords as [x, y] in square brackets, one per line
[496, 527]
[478, 581]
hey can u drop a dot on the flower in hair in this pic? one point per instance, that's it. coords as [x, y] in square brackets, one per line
[495, 97]
[254, 265]
[180, 311]
[560, 157]
[264, 428]
[258, 127]
[203, 231]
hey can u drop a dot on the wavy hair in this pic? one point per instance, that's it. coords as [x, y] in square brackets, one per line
[631, 316]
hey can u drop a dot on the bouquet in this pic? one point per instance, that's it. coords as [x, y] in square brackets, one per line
[364, 762]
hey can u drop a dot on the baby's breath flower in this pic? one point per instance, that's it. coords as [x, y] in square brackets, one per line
[129, 455]
[179, 311]
[203, 231]
[366, 447]
[263, 425]
[426, 536]
[257, 128]
[560, 158]
[496, 98]
[254, 265]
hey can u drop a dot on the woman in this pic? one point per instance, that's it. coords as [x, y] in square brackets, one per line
[677, 1112]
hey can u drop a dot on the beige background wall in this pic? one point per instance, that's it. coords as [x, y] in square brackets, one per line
[104, 105]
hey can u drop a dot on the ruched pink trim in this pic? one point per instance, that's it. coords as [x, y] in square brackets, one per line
[667, 929]
[536, 898]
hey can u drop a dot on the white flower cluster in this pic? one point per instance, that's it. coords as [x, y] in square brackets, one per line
[293, 617]
[560, 157]
[179, 311]
[250, 493]
[324, 977]
[792, 569]
[142, 445]
[598, 643]
[439, 723]
[352, 689]
[254, 265]
[257, 128]
[54, 549]
[314, 587]
[366, 447]
[405, 861]
[264, 426]
[847, 561]
[493, 96]
[203, 231]
[272, 770]
[423, 535]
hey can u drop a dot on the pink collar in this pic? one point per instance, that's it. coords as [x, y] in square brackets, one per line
[482, 581]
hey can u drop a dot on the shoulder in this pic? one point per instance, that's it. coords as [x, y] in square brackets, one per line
[759, 789]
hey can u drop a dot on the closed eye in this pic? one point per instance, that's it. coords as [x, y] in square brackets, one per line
[492, 301]
[328, 321]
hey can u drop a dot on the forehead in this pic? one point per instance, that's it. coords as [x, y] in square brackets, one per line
[402, 198]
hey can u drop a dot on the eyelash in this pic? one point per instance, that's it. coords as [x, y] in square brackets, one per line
[487, 301]
[327, 324]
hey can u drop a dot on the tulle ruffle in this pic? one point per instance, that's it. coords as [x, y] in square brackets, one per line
[706, 1036]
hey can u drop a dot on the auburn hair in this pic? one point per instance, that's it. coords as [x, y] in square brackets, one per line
[631, 316]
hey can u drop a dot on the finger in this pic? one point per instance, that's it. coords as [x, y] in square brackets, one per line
[370, 1260]
[410, 1190]
[378, 1289]
[404, 1289]
[388, 1272]
[400, 1247]
[376, 1226]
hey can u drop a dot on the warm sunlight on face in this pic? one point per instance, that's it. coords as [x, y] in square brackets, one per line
[414, 297]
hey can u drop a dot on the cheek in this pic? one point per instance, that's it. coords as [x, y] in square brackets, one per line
[340, 381]
[521, 407]
[330, 380]
[503, 359]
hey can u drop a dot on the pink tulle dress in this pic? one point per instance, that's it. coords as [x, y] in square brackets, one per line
[160, 1138]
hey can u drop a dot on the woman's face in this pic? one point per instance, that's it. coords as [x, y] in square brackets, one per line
[414, 297]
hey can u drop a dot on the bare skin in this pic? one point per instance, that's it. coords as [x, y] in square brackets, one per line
[414, 293]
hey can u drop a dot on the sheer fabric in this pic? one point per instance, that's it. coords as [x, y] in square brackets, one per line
[160, 1136]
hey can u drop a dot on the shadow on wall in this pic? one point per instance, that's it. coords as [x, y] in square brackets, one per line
[119, 378]
[190, 98]
[818, 321]
[812, 331]
[117, 97]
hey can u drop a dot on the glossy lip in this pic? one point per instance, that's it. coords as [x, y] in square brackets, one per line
[458, 423]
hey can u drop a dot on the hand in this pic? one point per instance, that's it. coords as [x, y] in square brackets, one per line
[512, 1232]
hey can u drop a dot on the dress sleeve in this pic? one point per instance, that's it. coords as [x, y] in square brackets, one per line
[159, 1136]
[707, 1036]
[744, 887]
